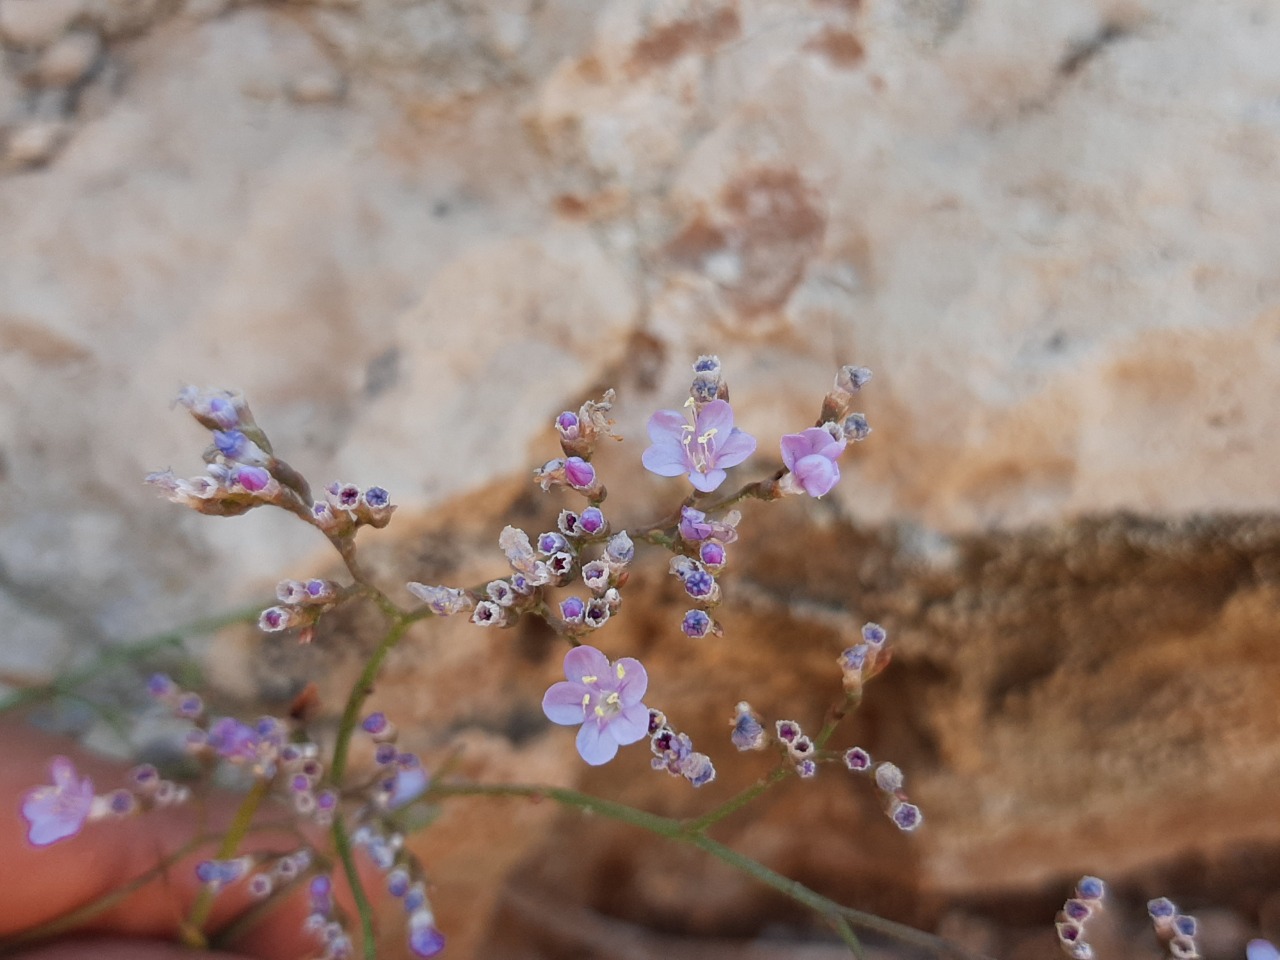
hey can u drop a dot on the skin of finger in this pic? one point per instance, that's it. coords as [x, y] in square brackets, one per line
[42, 883]
[120, 950]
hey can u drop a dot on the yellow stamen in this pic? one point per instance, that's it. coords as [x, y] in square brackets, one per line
[599, 711]
[590, 679]
[620, 671]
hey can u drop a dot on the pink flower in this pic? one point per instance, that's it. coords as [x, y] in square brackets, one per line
[58, 811]
[703, 450]
[810, 457]
[602, 696]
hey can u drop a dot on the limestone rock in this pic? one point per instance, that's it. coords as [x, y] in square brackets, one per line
[36, 23]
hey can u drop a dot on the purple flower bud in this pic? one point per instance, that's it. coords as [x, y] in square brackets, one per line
[488, 614]
[788, 730]
[580, 474]
[907, 816]
[375, 723]
[549, 543]
[144, 776]
[1090, 888]
[500, 592]
[275, 619]
[214, 409]
[1184, 925]
[327, 800]
[747, 734]
[597, 613]
[704, 389]
[568, 523]
[343, 496]
[697, 769]
[415, 898]
[696, 624]
[320, 591]
[567, 425]
[207, 871]
[190, 706]
[712, 554]
[874, 634]
[857, 759]
[121, 803]
[572, 609]
[700, 584]
[657, 720]
[707, 363]
[260, 886]
[800, 747]
[561, 566]
[596, 576]
[1077, 910]
[620, 550]
[1183, 948]
[1069, 931]
[234, 445]
[854, 658]
[376, 499]
[424, 939]
[592, 522]
[807, 769]
[385, 753]
[161, 685]
[1159, 909]
[850, 379]
[856, 428]
[889, 777]
[253, 479]
[321, 891]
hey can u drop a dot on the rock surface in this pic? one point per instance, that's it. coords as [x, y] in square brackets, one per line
[414, 232]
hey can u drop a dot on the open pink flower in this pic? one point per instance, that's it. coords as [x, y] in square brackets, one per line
[59, 811]
[810, 457]
[703, 449]
[602, 696]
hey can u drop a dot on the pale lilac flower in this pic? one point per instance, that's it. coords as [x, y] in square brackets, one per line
[810, 456]
[425, 939]
[747, 732]
[1261, 950]
[695, 526]
[59, 811]
[604, 697]
[703, 450]
[443, 601]
[410, 782]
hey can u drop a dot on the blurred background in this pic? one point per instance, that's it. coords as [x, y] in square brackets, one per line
[413, 232]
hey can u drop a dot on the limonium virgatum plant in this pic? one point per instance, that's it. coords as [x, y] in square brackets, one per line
[572, 577]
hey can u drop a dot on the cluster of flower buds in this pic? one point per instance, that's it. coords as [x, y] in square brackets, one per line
[1075, 913]
[888, 779]
[837, 404]
[703, 541]
[61, 810]
[301, 603]
[864, 660]
[799, 747]
[674, 753]
[401, 775]
[405, 882]
[346, 507]
[322, 921]
[579, 431]
[1177, 931]
[241, 472]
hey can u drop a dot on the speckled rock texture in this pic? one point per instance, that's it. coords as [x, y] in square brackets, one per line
[413, 232]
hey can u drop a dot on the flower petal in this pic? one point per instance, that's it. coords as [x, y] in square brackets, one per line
[794, 446]
[1261, 950]
[716, 415]
[630, 725]
[816, 474]
[632, 680]
[595, 746]
[585, 661]
[706, 482]
[562, 703]
[666, 458]
[735, 448]
[666, 425]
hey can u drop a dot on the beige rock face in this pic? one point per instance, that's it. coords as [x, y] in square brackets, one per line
[413, 232]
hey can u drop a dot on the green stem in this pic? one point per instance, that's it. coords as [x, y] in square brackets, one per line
[80, 915]
[124, 653]
[193, 933]
[341, 749]
[735, 803]
[838, 915]
[368, 935]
